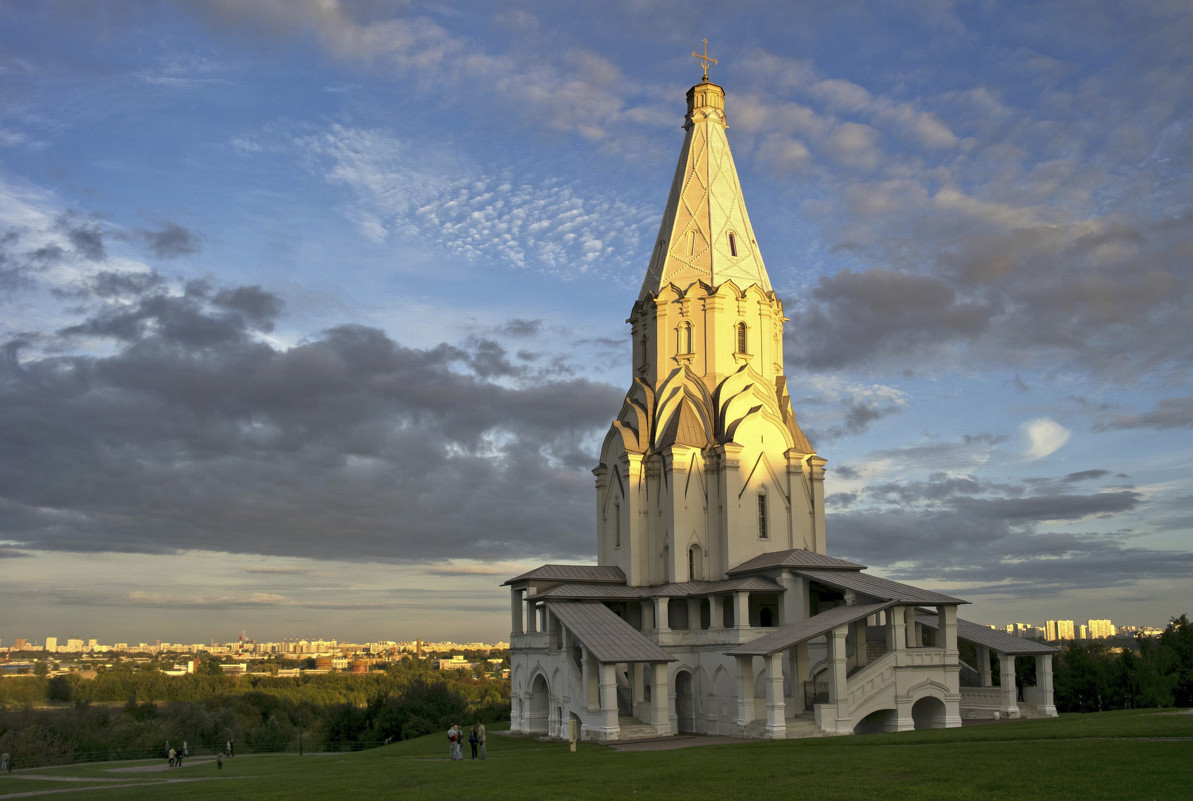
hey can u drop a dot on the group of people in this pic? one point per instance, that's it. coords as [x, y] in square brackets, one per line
[174, 755]
[476, 738]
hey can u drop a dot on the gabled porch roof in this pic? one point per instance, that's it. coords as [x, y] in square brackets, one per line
[876, 587]
[814, 626]
[588, 573]
[606, 636]
[687, 589]
[797, 558]
[999, 641]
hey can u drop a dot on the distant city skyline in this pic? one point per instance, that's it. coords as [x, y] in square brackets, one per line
[1098, 628]
[312, 314]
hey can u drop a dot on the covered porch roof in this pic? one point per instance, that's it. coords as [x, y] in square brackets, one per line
[876, 587]
[814, 626]
[606, 636]
[998, 641]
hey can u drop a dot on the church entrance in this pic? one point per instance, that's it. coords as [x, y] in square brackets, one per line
[685, 703]
[540, 706]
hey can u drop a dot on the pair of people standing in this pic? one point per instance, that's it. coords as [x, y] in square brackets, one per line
[454, 742]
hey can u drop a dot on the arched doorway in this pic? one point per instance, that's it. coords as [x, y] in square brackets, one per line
[540, 706]
[928, 713]
[685, 702]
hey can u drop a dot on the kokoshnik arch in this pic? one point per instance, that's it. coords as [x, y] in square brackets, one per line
[714, 607]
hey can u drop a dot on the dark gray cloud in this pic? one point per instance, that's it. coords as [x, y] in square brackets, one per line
[85, 236]
[170, 241]
[1000, 537]
[521, 328]
[193, 433]
[1169, 413]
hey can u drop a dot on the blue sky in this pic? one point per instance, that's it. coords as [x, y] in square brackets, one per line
[313, 312]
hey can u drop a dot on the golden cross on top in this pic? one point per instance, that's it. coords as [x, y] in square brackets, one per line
[705, 59]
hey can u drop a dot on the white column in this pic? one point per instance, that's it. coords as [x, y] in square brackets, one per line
[1008, 698]
[838, 686]
[532, 615]
[662, 621]
[776, 709]
[716, 612]
[609, 726]
[1044, 685]
[589, 671]
[909, 625]
[745, 690]
[516, 611]
[741, 609]
[638, 677]
[985, 674]
[946, 628]
[662, 699]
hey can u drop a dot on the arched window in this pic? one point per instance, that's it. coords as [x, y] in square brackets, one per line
[762, 532]
[691, 564]
[685, 338]
[732, 244]
[741, 338]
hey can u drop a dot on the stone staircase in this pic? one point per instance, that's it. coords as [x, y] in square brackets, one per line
[1029, 711]
[802, 727]
[634, 729]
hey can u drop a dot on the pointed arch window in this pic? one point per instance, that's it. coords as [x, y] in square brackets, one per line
[741, 338]
[763, 533]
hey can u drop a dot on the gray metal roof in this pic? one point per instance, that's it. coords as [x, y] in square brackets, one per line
[999, 641]
[593, 592]
[814, 626]
[876, 587]
[687, 589]
[697, 589]
[606, 636]
[796, 557]
[597, 573]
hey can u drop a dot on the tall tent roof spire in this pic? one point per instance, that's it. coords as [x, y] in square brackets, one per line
[706, 233]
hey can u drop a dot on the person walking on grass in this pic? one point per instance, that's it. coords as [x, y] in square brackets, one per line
[472, 741]
[480, 738]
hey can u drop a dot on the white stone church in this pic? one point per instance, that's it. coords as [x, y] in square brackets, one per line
[714, 607]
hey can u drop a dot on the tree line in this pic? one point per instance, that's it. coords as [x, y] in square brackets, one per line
[1090, 676]
[127, 712]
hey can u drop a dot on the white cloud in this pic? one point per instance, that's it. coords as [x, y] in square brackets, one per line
[1045, 437]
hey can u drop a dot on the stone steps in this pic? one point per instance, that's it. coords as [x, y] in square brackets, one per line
[634, 729]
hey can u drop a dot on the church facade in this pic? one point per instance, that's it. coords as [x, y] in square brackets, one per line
[714, 607]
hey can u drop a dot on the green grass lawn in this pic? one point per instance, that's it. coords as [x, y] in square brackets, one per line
[1112, 755]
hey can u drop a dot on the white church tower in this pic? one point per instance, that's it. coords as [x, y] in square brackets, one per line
[705, 466]
[714, 607]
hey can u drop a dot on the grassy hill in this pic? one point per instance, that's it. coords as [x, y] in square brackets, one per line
[1113, 755]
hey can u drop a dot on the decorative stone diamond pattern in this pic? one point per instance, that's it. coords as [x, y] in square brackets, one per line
[710, 206]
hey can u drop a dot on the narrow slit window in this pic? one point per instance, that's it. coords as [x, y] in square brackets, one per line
[616, 524]
[691, 242]
[691, 564]
[741, 338]
[732, 245]
[685, 338]
[762, 532]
